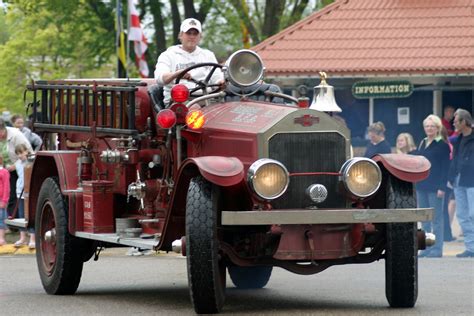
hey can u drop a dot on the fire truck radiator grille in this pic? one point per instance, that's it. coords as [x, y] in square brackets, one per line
[309, 152]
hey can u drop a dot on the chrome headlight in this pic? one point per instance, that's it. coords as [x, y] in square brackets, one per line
[361, 176]
[244, 68]
[268, 178]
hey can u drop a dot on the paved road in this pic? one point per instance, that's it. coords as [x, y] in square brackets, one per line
[157, 285]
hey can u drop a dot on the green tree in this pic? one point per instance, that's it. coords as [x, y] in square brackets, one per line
[223, 21]
[322, 3]
[52, 39]
[49, 40]
[266, 18]
[260, 19]
[4, 33]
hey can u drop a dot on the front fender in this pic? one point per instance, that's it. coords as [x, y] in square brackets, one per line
[223, 171]
[408, 168]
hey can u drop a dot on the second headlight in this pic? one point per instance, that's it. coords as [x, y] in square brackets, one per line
[268, 178]
[361, 177]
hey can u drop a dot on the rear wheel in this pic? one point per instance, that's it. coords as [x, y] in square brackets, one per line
[401, 261]
[206, 269]
[250, 277]
[59, 255]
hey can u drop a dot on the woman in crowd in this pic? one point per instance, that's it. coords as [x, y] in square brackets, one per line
[10, 137]
[377, 144]
[430, 192]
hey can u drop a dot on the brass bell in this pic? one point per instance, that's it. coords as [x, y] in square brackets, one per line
[323, 99]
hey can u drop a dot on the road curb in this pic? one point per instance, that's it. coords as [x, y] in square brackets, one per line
[10, 249]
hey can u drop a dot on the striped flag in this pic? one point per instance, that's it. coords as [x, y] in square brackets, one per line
[140, 45]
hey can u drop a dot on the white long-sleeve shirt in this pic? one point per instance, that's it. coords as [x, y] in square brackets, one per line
[175, 58]
[20, 182]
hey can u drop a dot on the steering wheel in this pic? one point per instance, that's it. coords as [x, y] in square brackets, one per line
[201, 84]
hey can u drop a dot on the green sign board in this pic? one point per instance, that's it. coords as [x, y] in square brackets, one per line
[382, 89]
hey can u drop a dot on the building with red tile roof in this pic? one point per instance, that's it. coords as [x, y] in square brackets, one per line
[429, 43]
[366, 38]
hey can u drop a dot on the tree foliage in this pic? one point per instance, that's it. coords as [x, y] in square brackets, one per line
[266, 18]
[50, 39]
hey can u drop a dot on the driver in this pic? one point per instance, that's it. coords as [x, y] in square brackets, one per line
[176, 58]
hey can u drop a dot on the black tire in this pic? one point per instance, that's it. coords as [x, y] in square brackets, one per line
[401, 259]
[59, 258]
[206, 270]
[250, 277]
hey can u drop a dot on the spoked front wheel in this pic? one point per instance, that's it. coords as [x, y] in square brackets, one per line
[59, 255]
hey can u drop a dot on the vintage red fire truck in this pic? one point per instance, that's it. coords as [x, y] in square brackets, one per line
[239, 180]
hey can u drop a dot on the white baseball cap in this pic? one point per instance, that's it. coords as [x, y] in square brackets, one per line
[190, 24]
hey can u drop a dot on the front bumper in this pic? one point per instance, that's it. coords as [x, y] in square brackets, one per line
[327, 216]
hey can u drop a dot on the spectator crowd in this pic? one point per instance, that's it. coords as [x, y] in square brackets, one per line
[17, 143]
[449, 188]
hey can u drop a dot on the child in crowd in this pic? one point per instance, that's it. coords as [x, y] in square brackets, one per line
[4, 195]
[405, 143]
[22, 152]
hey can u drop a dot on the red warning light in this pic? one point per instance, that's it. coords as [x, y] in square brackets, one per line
[166, 118]
[179, 93]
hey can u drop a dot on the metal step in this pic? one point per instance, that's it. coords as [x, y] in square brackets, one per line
[17, 222]
[116, 239]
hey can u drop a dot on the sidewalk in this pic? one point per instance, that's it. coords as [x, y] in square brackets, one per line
[452, 248]
[10, 249]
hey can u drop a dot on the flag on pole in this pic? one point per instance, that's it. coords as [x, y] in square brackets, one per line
[121, 55]
[140, 45]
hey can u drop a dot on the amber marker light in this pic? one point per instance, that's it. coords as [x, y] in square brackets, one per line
[179, 93]
[195, 119]
[166, 118]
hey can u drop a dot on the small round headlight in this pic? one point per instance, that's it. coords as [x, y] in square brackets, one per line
[361, 176]
[268, 178]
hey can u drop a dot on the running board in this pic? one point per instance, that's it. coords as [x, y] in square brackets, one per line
[141, 243]
[17, 222]
[116, 239]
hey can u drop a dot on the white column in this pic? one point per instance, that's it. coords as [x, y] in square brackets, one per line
[371, 110]
[437, 103]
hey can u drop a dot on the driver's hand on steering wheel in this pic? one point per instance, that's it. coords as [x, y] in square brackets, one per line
[186, 76]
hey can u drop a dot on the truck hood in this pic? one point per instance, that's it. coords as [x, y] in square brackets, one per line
[245, 116]
[254, 117]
